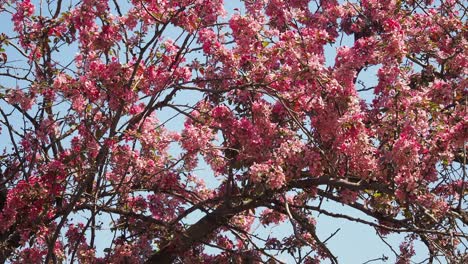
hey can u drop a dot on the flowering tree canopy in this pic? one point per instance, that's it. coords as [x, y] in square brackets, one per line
[282, 125]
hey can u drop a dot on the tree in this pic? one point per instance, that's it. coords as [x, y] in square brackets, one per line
[282, 129]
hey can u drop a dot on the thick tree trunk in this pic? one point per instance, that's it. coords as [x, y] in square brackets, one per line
[199, 231]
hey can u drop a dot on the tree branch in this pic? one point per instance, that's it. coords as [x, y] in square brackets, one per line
[201, 230]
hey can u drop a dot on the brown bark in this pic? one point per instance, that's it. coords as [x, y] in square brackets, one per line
[200, 231]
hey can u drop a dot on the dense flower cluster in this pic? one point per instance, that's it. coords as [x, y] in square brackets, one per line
[281, 122]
